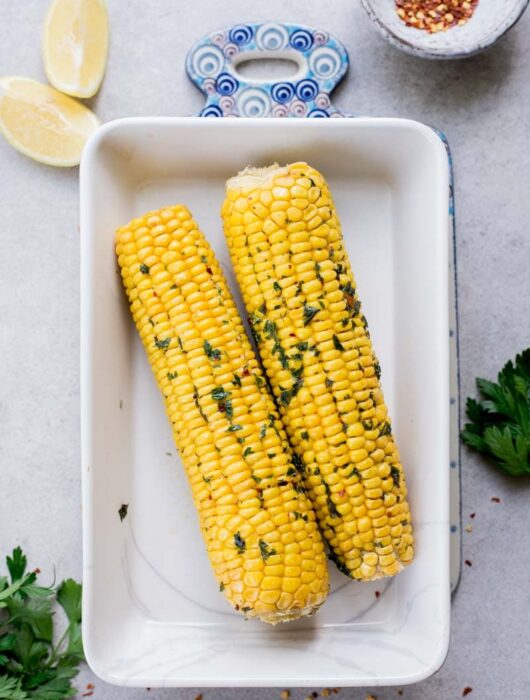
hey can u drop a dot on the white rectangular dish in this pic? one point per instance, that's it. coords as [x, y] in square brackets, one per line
[152, 612]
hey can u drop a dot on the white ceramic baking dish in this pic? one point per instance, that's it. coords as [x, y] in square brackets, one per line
[152, 613]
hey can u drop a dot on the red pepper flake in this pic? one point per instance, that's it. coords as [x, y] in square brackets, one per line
[342, 493]
[199, 697]
[209, 270]
[495, 499]
[468, 563]
[472, 515]
[434, 16]
[246, 372]
[90, 686]
[88, 694]
[377, 594]
[36, 571]
[466, 691]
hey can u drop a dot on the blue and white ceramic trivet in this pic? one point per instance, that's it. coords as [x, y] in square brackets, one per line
[323, 62]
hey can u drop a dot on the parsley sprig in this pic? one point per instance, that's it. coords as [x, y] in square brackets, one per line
[500, 422]
[32, 665]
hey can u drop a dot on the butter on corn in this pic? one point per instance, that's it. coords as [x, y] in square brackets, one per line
[287, 250]
[258, 524]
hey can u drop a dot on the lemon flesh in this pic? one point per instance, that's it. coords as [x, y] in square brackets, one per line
[75, 46]
[42, 123]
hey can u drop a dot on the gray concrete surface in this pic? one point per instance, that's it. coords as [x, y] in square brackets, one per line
[483, 105]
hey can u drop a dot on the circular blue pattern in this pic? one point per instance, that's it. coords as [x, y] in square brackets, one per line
[211, 111]
[207, 61]
[326, 62]
[272, 37]
[307, 90]
[241, 34]
[282, 92]
[253, 102]
[318, 113]
[226, 84]
[301, 40]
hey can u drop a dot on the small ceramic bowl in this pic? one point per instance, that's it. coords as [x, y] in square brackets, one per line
[491, 20]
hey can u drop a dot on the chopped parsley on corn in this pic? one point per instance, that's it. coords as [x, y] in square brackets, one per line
[287, 250]
[258, 524]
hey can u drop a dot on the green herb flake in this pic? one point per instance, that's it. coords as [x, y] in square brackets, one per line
[207, 479]
[197, 404]
[162, 344]
[396, 476]
[211, 353]
[277, 287]
[240, 543]
[291, 471]
[300, 516]
[236, 380]
[385, 429]
[221, 586]
[337, 344]
[377, 369]
[123, 511]
[304, 435]
[303, 346]
[172, 375]
[259, 381]
[144, 269]
[219, 394]
[262, 431]
[234, 428]
[329, 382]
[309, 314]
[265, 550]
[354, 472]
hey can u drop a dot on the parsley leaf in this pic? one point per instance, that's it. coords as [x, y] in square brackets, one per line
[32, 666]
[499, 424]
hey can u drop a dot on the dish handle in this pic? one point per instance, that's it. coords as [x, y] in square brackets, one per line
[213, 65]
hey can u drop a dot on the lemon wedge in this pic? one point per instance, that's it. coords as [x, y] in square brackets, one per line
[42, 123]
[75, 45]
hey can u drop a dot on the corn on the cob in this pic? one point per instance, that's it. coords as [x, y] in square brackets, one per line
[287, 250]
[259, 527]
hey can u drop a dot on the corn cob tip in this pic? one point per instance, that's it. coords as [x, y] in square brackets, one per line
[249, 178]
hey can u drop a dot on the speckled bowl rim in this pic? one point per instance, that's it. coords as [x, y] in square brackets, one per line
[442, 54]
